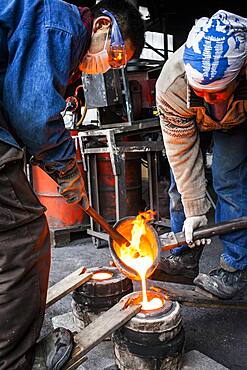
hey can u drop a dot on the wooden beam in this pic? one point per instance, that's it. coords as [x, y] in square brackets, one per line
[190, 295]
[101, 328]
[67, 285]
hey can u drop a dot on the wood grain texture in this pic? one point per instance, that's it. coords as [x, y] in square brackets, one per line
[190, 295]
[67, 285]
[99, 329]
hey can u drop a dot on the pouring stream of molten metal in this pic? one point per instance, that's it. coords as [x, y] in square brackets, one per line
[137, 257]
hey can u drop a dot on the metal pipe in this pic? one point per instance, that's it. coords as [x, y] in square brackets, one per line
[115, 235]
[175, 240]
[221, 228]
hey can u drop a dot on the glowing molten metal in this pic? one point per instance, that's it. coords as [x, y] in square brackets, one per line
[102, 275]
[140, 257]
[154, 304]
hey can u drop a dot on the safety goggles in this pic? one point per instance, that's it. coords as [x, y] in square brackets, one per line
[117, 54]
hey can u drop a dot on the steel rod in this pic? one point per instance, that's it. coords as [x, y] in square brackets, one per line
[174, 240]
[115, 235]
[221, 228]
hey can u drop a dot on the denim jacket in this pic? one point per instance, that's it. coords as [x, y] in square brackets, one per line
[41, 44]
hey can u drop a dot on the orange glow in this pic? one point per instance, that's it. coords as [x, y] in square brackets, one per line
[155, 301]
[139, 256]
[102, 275]
[117, 57]
[154, 304]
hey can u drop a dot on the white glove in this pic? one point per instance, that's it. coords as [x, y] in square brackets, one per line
[192, 223]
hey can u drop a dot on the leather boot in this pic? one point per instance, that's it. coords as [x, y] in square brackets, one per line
[223, 284]
[54, 350]
[186, 263]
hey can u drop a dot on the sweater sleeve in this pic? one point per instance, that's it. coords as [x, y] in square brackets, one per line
[182, 144]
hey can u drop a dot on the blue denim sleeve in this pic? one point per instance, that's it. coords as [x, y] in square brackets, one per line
[33, 93]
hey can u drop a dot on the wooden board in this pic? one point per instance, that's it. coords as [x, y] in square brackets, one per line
[191, 295]
[67, 285]
[99, 329]
[160, 275]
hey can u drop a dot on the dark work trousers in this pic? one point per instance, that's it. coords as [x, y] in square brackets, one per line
[24, 263]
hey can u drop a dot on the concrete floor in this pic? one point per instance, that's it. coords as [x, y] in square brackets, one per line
[219, 334]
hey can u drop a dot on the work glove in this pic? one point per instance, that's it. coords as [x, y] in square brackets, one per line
[72, 186]
[192, 223]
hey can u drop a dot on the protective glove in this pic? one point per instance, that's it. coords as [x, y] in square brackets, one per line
[192, 223]
[72, 186]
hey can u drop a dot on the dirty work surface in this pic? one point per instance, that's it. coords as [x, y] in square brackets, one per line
[219, 334]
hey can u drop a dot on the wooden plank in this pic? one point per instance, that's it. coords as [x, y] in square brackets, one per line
[101, 328]
[190, 295]
[67, 285]
[160, 275]
[204, 292]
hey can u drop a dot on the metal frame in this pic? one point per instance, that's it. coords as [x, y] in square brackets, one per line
[117, 151]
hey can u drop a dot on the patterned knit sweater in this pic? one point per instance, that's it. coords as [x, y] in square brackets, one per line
[182, 115]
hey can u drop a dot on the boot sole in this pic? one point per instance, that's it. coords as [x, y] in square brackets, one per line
[60, 364]
[203, 279]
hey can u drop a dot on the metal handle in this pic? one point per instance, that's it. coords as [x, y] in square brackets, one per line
[115, 235]
[175, 240]
[220, 228]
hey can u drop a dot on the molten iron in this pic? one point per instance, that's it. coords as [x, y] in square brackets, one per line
[154, 302]
[102, 275]
[152, 339]
[141, 254]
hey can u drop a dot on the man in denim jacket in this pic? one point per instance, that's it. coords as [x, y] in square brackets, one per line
[42, 44]
[203, 87]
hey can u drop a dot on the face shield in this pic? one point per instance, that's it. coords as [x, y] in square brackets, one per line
[117, 56]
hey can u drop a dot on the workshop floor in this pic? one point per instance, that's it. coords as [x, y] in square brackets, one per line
[219, 334]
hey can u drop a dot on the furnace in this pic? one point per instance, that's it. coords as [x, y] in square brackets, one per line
[153, 339]
[106, 287]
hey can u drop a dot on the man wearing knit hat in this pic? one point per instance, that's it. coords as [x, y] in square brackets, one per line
[203, 87]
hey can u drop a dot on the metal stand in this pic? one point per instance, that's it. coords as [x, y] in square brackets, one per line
[117, 151]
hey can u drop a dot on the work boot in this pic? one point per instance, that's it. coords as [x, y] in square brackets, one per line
[54, 350]
[186, 263]
[222, 283]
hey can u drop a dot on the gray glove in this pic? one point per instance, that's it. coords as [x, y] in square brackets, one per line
[72, 186]
[192, 223]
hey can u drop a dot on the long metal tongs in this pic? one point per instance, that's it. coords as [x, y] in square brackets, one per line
[115, 235]
[172, 240]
